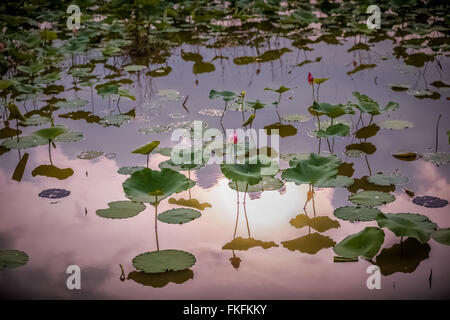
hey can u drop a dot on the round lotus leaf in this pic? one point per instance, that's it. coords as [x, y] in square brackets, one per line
[50, 133]
[396, 124]
[442, 236]
[89, 155]
[77, 103]
[266, 184]
[354, 153]
[179, 215]
[115, 120]
[408, 225]
[163, 260]
[146, 149]
[134, 68]
[36, 120]
[70, 136]
[129, 170]
[151, 186]
[24, 142]
[288, 157]
[54, 193]
[365, 244]
[438, 158]
[248, 173]
[430, 202]
[338, 182]
[296, 118]
[350, 213]
[387, 179]
[371, 198]
[121, 210]
[12, 259]
[167, 152]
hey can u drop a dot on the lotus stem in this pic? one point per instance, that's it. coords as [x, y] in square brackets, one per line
[223, 113]
[318, 87]
[237, 214]
[148, 156]
[437, 135]
[156, 223]
[242, 108]
[314, 204]
[245, 210]
[17, 130]
[118, 108]
[122, 273]
[49, 152]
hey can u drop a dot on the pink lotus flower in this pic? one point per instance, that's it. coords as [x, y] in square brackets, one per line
[234, 138]
[310, 78]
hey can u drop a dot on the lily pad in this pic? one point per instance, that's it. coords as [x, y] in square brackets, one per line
[365, 243]
[71, 104]
[129, 170]
[70, 136]
[396, 124]
[50, 133]
[338, 182]
[313, 170]
[160, 280]
[225, 95]
[430, 202]
[121, 210]
[54, 193]
[352, 214]
[151, 186]
[179, 215]
[333, 111]
[52, 172]
[163, 260]
[267, 184]
[248, 173]
[146, 149]
[115, 120]
[311, 243]
[442, 236]
[321, 223]
[12, 259]
[371, 198]
[438, 158]
[407, 225]
[296, 117]
[36, 120]
[89, 155]
[387, 179]
[240, 243]
[134, 67]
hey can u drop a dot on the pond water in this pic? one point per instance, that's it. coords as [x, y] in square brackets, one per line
[58, 232]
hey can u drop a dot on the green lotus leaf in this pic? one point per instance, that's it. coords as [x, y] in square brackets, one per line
[296, 118]
[320, 224]
[371, 198]
[89, 155]
[367, 132]
[438, 158]
[52, 172]
[50, 133]
[69, 136]
[315, 169]
[107, 90]
[203, 67]
[391, 106]
[248, 173]
[15, 112]
[293, 158]
[36, 120]
[366, 104]
[408, 225]
[134, 68]
[126, 94]
[12, 259]
[396, 124]
[225, 95]
[387, 179]
[333, 111]
[121, 210]
[284, 130]
[146, 149]
[179, 215]
[247, 243]
[442, 236]
[311, 243]
[365, 243]
[365, 147]
[7, 132]
[163, 260]
[151, 186]
[266, 184]
[339, 129]
[338, 182]
[249, 120]
[320, 80]
[281, 89]
[71, 104]
[352, 214]
[255, 105]
[6, 83]
[129, 170]
[24, 142]
[115, 120]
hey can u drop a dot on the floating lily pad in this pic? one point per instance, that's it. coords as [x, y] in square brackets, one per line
[36, 120]
[296, 118]
[430, 202]
[371, 198]
[248, 173]
[50, 133]
[179, 215]
[134, 67]
[387, 179]
[163, 260]
[354, 153]
[151, 186]
[311, 243]
[315, 169]
[115, 120]
[52, 172]
[54, 193]
[352, 214]
[367, 132]
[12, 259]
[266, 184]
[338, 182]
[407, 225]
[240, 243]
[160, 280]
[405, 155]
[129, 170]
[89, 155]
[442, 236]
[70, 136]
[71, 104]
[365, 243]
[438, 158]
[320, 224]
[121, 210]
[396, 124]
[294, 157]
[193, 203]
